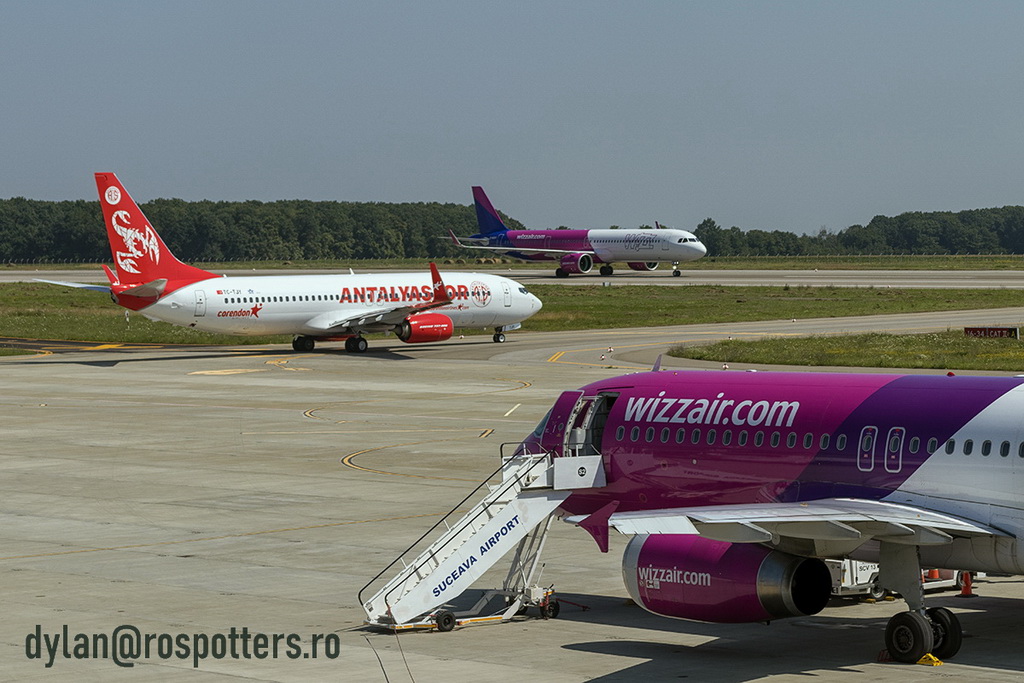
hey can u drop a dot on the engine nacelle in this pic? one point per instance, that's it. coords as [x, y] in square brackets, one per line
[425, 327]
[577, 263]
[690, 577]
[643, 265]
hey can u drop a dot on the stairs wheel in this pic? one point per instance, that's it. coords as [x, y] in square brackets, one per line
[444, 620]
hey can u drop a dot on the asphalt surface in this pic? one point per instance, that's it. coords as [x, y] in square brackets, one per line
[189, 490]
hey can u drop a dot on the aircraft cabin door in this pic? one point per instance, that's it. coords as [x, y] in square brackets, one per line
[508, 294]
[200, 303]
[555, 431]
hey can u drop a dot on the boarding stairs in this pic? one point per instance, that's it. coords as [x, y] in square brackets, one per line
[516, 513]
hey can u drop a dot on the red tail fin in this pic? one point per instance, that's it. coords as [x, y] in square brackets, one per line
[140, 256]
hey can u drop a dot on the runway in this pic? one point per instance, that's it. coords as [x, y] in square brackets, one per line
[195, 489]
[911, 279]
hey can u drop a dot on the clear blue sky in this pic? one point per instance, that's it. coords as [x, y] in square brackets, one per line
[773, 115]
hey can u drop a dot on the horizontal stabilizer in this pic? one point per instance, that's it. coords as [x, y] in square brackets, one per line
[77, 285]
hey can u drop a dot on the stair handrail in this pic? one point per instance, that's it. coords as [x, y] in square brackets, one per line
[536, 459]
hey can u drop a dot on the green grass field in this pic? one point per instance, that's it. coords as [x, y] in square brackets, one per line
[41, 311]
[952, 349]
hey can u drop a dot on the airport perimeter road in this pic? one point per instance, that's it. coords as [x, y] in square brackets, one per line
[910, 279]
[190, 491]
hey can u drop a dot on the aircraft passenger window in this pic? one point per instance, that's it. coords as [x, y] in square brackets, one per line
[933, 445]
[915, 444]
[986, 447]
[711, 437]
[649, 435]
[950, 446]
[634, 434]
[808, 440]
[620, 433]
[680, 435]
[664, 434]
[695, 436]
[758, 439]
[841, 442]
[968, 446]
[742, 440]
[867, 444]
[894, 443]
[823, 442]
[791, 440]
[727, 437]
[776, 439]
[1004, 448]
[1020, 450]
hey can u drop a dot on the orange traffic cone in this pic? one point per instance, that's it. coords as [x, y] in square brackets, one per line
[965, 591]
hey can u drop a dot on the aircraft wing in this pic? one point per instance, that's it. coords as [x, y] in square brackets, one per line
[77, 285]
[845, 520]
[519, 250]
[380, 315]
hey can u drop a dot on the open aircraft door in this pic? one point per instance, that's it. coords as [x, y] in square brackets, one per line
[560, 421]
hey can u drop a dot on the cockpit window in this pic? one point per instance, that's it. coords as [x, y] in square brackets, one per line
[541, 425]
[523, 290]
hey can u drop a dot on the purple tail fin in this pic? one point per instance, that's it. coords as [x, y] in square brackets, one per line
[487, 218]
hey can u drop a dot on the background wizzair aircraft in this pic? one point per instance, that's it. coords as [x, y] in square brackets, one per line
[736, 485]
[578, 250]
[417, 308]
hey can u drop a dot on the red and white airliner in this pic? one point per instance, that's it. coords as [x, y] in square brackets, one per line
[149, 279]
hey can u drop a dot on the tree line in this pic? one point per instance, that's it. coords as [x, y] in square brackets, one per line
[976, 231]
[40, 231]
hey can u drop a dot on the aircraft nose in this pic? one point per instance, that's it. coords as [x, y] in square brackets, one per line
[699, 247]
[535, 303]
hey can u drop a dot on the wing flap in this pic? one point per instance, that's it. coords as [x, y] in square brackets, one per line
[834, 519]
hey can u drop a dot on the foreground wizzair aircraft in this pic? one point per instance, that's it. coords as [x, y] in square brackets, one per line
[149, 279]
[578, 250]
[736, 486]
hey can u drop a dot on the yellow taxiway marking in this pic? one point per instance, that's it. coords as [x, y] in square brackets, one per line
[347, 462]
[218, 538]
[282, 363]
[227, 372]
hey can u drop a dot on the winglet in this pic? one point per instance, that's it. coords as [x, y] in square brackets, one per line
[440, 291]
[597, 524]
[455, 240]
[487, 218]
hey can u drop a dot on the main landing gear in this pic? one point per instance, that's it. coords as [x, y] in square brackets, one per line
[607, 270]
[911, 635]
[303, 344]
[356, 344]
[499, 337]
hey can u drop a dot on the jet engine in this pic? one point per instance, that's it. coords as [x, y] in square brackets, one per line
[577, 263]
[425, 327]
[643, 265]
[691, 577]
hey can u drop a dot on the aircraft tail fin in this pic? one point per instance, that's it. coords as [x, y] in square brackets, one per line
[487, 218]
[140, 256]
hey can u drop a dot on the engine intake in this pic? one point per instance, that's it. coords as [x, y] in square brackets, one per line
[425, 327]
[577, 263]
[643, 265]
[690, 577]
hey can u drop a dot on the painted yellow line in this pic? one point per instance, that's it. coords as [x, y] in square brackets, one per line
[347, 461]
[555, 357]
[486, 433]
[219, 538]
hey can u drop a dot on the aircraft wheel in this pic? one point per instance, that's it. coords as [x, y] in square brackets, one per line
[908, 637]
[360, 345]
[559, 272]
[607, 270]
[947, 632]
[499, 338]
[444, 620]
[550, 610]
[303, 343]
[676, 273]
[350, 345]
